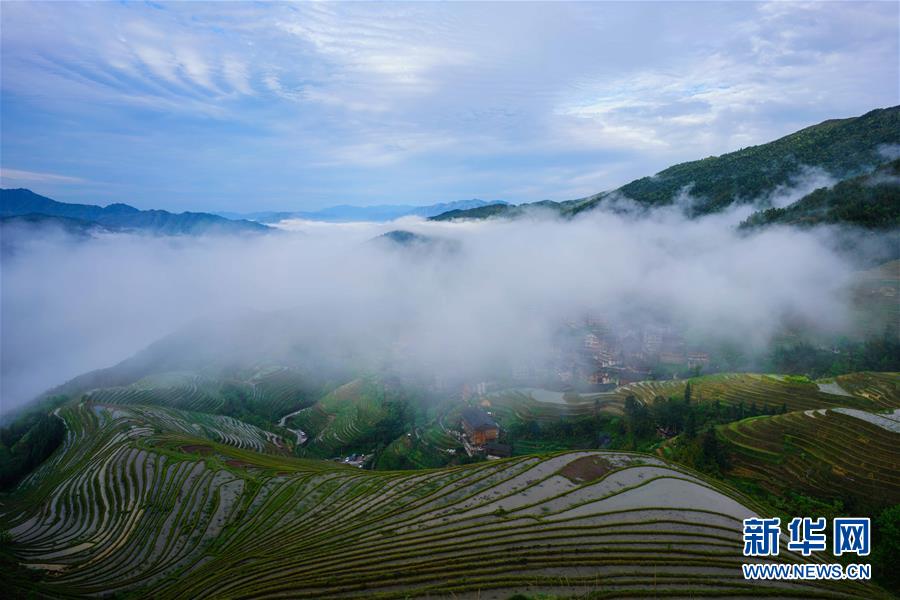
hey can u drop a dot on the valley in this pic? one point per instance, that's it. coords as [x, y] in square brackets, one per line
[576, 399]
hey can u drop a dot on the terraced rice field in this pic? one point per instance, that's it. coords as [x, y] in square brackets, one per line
[132, 504]
[867, 391]
[187, 391]
[341, 418]
[280, 390]
[542, 405]
[831, 453]
[871, 391]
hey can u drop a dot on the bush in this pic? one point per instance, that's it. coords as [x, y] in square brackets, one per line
[886, 550]
[26, 443]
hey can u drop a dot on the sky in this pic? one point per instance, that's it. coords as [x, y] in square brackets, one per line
[265, 106]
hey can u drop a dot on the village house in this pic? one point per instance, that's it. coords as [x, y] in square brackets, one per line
[479, 426]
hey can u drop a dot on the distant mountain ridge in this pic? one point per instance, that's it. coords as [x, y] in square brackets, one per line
[349, 213]
[844, 148]
[499, 210]
[20, 202]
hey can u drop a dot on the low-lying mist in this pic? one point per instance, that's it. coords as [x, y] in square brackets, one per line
[469, 295]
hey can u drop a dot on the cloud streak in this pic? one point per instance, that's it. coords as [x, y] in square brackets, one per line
[9, 176]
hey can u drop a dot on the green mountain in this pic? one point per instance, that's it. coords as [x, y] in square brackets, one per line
[842, 147]
[20, 202]
[845, 148]
[482, 212]
[871, 201]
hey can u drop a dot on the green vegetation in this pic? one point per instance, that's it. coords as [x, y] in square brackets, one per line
[135, 507]
[751, 394]
[27, 442]
[886, 547]
[843, 147]
[830, 454]
[871, 201]
[156, 500]
[259, 397]
[481, 212]
[879, 352]
[362, 416]
[499, 210]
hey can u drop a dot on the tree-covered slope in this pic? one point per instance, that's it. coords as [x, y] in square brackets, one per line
[842, 147]
[871, 201]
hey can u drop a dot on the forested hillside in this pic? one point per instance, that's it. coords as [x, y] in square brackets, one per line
[871, 201]
[843, 148]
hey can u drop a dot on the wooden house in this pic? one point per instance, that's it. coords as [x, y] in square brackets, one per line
[479, 426]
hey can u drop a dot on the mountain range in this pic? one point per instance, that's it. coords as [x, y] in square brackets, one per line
[19, 203]
[844, 149]
[349, 213]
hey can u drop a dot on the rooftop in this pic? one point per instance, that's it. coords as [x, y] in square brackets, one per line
[478, 419]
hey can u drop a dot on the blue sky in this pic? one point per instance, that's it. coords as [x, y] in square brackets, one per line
[252, 106]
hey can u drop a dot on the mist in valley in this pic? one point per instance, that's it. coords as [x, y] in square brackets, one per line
[456, 299]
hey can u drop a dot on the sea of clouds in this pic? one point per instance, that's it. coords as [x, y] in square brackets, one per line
[477, 291]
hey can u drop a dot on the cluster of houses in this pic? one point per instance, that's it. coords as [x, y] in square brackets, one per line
[593, 353]
[355, 460]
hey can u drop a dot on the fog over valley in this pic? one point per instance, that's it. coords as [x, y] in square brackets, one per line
[458, 297]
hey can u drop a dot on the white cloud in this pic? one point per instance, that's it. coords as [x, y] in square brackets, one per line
[237, 74]
[425, 88]
[7, 175]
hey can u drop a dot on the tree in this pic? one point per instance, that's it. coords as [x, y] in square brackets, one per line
[638, 422]
[886, 551]
[26, 444]
[713, 457]
[690, 424]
